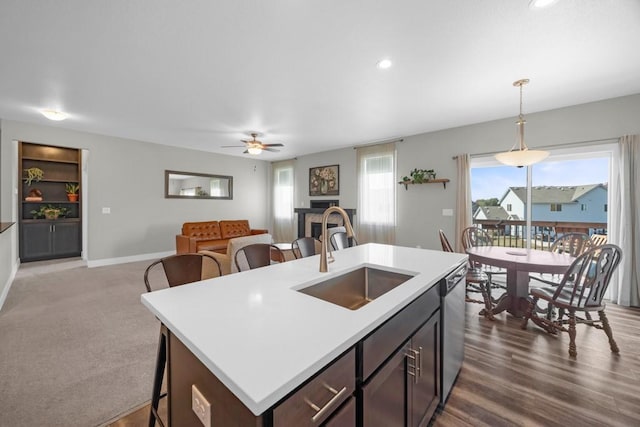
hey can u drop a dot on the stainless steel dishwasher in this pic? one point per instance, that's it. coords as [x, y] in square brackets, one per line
[452, 315]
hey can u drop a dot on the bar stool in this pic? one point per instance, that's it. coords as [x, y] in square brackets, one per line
[179, 270]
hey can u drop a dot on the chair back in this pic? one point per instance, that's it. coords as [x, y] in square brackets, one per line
[585, 282]
[598, 239]
[304, 247]
[340, 241]
[257, 255]
[446, 246]
[473, 237]
[185, 268]
[573, 244]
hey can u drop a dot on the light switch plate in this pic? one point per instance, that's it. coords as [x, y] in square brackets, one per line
[200, 406]
[447, 212]
[106, 210]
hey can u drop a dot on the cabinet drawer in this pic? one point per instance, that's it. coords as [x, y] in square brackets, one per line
[316, 400]
[388, 337]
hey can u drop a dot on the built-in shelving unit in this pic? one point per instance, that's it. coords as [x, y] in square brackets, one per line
[42, 238]
[442, 181]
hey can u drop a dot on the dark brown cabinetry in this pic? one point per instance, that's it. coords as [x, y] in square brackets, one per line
[389, 378]
[403, 391]
[42, 238]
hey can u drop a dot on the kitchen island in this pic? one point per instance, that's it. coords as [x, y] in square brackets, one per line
[257, 340]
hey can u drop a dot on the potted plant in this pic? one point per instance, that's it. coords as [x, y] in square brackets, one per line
[33, 175]
[49, 212]
[72, 191]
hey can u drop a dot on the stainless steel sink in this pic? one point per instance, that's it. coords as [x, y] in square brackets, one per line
[357, 288]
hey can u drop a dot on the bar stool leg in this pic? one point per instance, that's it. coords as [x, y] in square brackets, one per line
[161, 360]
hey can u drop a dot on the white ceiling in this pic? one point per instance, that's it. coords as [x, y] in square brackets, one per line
[203, 73]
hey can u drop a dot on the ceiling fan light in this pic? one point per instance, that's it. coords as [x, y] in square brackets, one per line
[254, 150]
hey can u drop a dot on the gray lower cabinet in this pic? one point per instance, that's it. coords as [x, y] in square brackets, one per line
[49, 239]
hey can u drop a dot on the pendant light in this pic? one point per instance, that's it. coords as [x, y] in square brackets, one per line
[520, 155]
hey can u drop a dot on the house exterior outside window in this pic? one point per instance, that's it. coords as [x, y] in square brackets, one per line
[556, 207]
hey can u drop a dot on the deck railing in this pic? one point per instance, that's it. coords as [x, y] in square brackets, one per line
[511, 233]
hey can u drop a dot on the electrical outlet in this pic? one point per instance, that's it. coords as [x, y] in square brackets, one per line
[200, 406]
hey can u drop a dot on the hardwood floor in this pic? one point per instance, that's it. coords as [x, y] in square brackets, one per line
[515, 377]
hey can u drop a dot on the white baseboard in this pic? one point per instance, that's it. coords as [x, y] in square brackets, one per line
[7, 286]
[126, 259]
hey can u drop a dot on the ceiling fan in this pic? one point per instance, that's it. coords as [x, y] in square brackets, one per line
[253, 146]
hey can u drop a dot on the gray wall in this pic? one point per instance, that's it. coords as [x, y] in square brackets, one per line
[128, 177]
[420, 207]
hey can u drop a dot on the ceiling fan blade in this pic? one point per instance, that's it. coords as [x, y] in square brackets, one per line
[273, 145]
[270, 149]
[245, 152]
[245, 141]
[232, 146]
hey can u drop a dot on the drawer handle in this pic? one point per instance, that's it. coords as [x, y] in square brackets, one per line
[321, 411]
[416, 356]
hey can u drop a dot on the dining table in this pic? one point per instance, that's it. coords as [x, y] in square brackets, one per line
[518, 263]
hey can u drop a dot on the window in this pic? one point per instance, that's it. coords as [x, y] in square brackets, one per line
[556, 207]
[605, 207]
[509, 207]
[377, 193]
[583, 207]
[283, 178]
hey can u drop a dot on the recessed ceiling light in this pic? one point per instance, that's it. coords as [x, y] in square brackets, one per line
[54, 115]
[539, 4]
[384, 64]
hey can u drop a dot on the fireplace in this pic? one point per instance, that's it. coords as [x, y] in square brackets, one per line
[324, 204]
[309, 216]
[316, 228]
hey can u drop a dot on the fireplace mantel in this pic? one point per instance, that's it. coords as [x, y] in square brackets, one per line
[303, 212]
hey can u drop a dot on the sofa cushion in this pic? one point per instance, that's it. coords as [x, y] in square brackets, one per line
[235, 228]
[213, 245]
[209, 230]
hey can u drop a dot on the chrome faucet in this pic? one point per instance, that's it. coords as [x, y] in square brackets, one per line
[325, 237]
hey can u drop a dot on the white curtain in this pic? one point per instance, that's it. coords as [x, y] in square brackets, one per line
[463, 199]
[626, 223]
[283, 191]
[376, 213]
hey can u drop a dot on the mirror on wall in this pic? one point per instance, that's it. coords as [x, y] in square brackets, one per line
[191, 185]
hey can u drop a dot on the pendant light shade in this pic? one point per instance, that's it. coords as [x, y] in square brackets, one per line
[520, 155]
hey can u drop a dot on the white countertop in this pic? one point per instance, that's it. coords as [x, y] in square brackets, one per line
[262, 338]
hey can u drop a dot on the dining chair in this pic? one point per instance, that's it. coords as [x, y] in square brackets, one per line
[178, 270]
[598, 239]
[477, 281]
[474, 237]
[582, 289]
[573, 244]
[257, 255]
[340, 241]
[304, 247]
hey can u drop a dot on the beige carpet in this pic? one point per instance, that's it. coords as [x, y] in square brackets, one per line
[77, 347]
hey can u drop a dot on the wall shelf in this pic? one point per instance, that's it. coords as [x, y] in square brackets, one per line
[430, 181]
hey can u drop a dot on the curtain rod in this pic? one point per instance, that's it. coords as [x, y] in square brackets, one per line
[557, 146]
[378, 143]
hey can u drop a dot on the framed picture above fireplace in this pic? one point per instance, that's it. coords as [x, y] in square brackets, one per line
[324, 180]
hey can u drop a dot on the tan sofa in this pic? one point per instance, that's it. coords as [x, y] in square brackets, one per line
[226, 260]
[212, 235]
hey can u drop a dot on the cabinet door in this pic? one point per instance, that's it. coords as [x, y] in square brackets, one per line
[36, 240]
[345, 416]
[66, 238]
[384, 396]
[424, 369]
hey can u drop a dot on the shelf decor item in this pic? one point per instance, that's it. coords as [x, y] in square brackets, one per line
[72, 191]
[34, 195]
[49, 212]
[33, 175]
[324, 181]
[418, 176]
